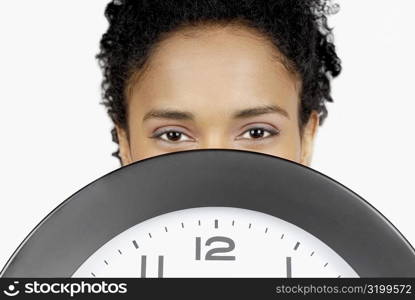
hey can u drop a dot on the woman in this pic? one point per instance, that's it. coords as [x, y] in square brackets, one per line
[249, 75]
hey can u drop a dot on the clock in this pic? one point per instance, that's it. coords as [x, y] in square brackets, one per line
[214, 213]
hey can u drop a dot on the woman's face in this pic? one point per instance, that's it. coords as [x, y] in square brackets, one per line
[216, 87]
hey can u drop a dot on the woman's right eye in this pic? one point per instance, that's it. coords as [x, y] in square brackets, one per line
[172, 136]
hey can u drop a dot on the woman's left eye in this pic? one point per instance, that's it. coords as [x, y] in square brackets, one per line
[259, 133]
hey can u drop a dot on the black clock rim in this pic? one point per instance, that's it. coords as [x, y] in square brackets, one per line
[350, 225]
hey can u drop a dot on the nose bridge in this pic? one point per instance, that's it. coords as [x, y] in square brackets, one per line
[215, 138]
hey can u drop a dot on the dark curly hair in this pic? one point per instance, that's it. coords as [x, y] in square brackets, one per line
[298, 28]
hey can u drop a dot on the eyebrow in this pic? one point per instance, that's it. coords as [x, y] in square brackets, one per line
[260, 110]
[241, 114]
[168, 114]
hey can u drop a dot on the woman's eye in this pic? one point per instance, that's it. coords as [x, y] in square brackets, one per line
[258, 133]
[172, 136]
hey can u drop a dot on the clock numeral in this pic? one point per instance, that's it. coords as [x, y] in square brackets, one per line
[289, 267]
[144, 266]
[212, 254]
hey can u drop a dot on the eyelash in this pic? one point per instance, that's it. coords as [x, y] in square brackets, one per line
[272, 132]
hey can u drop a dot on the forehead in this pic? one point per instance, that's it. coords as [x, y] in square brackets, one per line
[232, 65]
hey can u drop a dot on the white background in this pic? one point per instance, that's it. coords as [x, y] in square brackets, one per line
[55, 137]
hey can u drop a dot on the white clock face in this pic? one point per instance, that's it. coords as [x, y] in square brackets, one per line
[215, 242]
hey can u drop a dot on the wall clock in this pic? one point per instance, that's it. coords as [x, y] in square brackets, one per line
[214, 213]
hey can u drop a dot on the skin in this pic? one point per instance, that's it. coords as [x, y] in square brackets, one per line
[215, 87]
